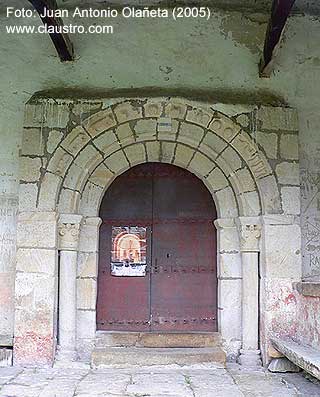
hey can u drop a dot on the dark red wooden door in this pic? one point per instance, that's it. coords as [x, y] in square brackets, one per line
[179, 289]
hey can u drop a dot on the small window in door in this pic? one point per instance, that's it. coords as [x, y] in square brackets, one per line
[128, 255]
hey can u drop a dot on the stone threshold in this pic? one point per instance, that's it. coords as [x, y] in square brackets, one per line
[308, 288]
[303, 356]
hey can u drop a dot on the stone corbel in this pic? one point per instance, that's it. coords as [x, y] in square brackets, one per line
[250, 233]
[69, 230]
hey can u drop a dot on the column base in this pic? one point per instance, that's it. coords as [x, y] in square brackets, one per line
[250, 359]
[66, 355]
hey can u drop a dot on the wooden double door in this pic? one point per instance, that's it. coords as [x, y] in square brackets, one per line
[157, 253]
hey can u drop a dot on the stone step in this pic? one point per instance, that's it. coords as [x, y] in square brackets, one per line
[156, 356]
[154, 339]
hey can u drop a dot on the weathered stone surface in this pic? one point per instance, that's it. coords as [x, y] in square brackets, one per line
[227, 207]
[290, 197]
[99, 122]
[269, 142]
[224, 127]
[107, 143]
[127, 111]
[232, 159]
[37, 229]
[288, 173]
[304, 357]
[153, 108]
[274, 353]
[75, 178]
[229, 295]
[28, 197]
[153, 151]
[145, 129]
[86, 324]
[117, 162]
[36, 260]
[69, 201]
[183, 155]
[282, 364]
[87, 264]
[54, 139]
[217, 180]
[190, 134]
[249, 204]
[199, 116]
[32, 142]
[89, 234]
[101, 176]
[49, 189]
[307, 288]
[59, 162]
[278, 119]
[281, 256]
[213, 142]
[136, 154]
[157, 356]
[243, 181]
[229, 265]
[86, 293]
[56, 115]
[125, 134]
[75, 140]
[176, 110]
[30, 169]
[90, 199]
[270, 196]
[167, 151]
[289, 147]
[201, 165]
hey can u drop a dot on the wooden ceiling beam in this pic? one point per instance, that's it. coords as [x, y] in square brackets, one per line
[61, 41]
[279, 15]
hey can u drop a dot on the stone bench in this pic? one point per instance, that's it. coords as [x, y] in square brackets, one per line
[302, 356]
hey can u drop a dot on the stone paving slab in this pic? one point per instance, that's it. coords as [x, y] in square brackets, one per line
[165, 381]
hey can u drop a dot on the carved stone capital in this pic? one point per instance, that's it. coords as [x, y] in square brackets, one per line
[250, 233]
[69, 230]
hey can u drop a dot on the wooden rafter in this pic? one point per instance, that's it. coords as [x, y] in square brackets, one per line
[61, 41]
[279, 15]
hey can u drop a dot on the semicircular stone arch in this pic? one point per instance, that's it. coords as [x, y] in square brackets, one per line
[176, 131]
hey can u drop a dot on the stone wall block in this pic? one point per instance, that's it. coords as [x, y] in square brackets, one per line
[32, 142]
[68, 201]
[217, 180]
[229, 209]
[75, 177]
[99, 122]
[288, 173]
[89, 235]
[243, 181]
[269, 143]
[153, 108]
[56, 116]
[167, 129]
[199, 116]
[34, 115]
[86, 324]
[183, 155]
[107, 143]
[229, 293]
[224, 127]
[54, 138]
[281, 253]
[176, 110]
[289, 147]
[37, 229]
[231, 159]
[101, 176]
[127, 111]
[29, 169]
[277, 118]
[190, 134]
[88, 158]
[87, 264]
[290, 198]
[229, 265]
[214, 142]
[117, 162]
[269, 192]
[167, 151]
[136, 154]
[249, 204]
[75, 140]
[59, 162]
[145, 129]
[28, 193]
[153, 151]
[86, 293]
[33, 260]
[201, 165]
[125, 134]
[90, 199]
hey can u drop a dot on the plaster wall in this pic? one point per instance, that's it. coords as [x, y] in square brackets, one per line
[216, 59]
